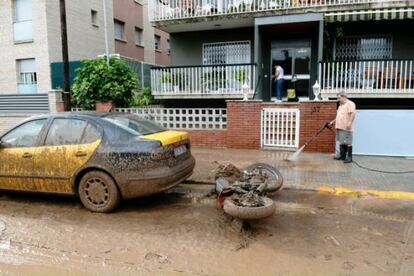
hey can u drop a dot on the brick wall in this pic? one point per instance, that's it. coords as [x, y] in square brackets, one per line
[312, 116]
[208, 138]
[244, 119]
[243, 124]
[243, 128]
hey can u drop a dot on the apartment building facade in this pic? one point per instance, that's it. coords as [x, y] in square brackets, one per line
[135, 37]
[223, 50]
[31, 48]
[220, 46]
[30, 40]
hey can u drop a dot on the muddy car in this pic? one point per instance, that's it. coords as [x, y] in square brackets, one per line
[100, 157]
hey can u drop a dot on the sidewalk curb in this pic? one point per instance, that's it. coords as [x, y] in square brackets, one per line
[195, 189]
[361, 192]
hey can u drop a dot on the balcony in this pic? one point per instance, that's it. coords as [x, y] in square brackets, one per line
[368, 78]
[203, 81]
[184, 9]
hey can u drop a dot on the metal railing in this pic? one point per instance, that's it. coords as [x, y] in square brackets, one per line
[183, 118]
[367, 76]
[280, 127]
[180, 9]
[203, 80]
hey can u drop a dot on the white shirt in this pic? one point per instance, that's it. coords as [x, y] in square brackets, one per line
[279, 72]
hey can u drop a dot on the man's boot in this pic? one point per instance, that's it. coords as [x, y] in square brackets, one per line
[342, 153]
[348, 158]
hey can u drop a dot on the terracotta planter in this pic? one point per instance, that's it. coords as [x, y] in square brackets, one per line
[60, 106]
[105, 106]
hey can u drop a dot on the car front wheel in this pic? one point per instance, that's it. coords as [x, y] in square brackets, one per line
[98, 192]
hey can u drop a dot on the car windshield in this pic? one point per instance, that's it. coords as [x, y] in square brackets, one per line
[134, 124]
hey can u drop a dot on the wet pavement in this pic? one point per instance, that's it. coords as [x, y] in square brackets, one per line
[177, 234]
[313, 169]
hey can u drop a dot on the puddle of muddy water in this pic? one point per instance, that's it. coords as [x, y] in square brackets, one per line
[310, 234]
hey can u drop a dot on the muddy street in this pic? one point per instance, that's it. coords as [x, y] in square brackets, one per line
[310, 234]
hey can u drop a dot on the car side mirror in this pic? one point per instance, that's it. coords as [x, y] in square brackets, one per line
[2, 145]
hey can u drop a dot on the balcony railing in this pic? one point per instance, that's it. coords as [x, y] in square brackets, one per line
[211, 81]
[382, 78]
[180, 9]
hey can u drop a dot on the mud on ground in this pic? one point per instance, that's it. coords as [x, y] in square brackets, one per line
[310, 234]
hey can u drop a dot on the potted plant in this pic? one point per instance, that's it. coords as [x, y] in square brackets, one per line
[232, 9]
[166, 82]
[240, 78]
[102, 86]
[176, 80]
[242, 7]
[214, 79]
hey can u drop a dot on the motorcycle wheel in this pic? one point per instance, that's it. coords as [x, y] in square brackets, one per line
[275, 180]
[249, 213]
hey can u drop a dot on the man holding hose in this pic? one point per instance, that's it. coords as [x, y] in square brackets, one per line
[344, 125]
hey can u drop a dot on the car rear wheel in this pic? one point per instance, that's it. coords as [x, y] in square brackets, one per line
[98, 192]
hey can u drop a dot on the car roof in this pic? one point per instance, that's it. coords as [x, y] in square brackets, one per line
[86, 114]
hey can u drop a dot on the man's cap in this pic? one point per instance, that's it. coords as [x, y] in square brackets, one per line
[343, 94]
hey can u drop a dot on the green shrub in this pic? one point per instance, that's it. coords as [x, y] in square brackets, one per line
[97, 82]
[143, 98]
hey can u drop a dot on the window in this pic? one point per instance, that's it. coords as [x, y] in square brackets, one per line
[363, 47]
[22, 20]
[90, 135]
[168, 47]
[25, 135]
[94, 18]
[138, 36]
[157, 39]
[65, 132]
[134, 124]
[226, 52]
[26, 76]
[119, 29]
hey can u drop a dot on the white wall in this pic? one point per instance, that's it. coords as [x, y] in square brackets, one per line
[384, 132]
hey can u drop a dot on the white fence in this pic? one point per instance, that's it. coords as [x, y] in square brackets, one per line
[280, 127]
[179, 9]
[203, 80]
[368, 76]
[184, 118]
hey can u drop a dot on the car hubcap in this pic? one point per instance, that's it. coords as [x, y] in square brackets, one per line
[97, 191]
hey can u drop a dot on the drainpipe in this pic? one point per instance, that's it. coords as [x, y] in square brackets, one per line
[106, 32]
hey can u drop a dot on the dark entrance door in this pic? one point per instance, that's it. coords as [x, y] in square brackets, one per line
[294, 56]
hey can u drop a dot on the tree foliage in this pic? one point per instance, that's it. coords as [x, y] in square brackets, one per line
[96, 81]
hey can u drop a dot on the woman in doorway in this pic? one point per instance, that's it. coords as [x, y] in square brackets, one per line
[279, 80]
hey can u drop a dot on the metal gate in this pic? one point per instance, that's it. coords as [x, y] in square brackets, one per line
[280, 127]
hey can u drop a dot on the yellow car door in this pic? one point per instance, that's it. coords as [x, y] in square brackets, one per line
[68, 145]
[17, 149]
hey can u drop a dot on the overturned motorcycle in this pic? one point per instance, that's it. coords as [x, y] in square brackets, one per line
[242, 195]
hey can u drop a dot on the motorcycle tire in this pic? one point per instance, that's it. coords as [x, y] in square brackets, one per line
[249, 213]
[275, 177]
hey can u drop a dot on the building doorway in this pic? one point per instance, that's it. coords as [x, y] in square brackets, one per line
[294, 56]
